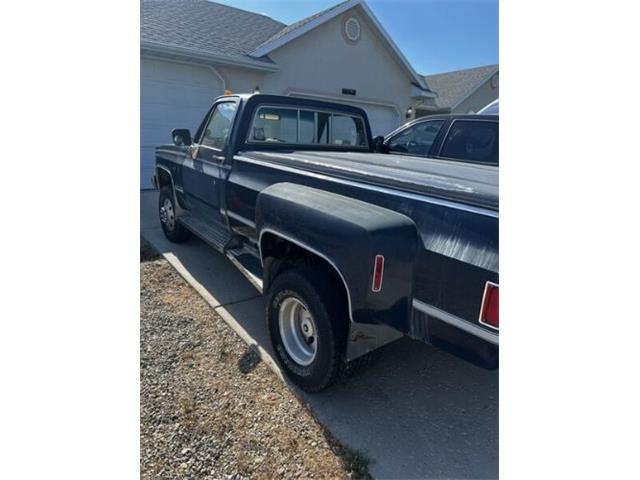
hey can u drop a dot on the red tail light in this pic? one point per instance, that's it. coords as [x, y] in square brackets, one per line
[378, 272]
[490, 303]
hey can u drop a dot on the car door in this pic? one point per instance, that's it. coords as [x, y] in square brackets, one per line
[202, 172]
[471, 140]
[416, 139]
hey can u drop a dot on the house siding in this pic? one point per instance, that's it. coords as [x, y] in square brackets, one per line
[322, 62]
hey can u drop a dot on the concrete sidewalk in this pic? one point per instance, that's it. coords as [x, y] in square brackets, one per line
[417, 412]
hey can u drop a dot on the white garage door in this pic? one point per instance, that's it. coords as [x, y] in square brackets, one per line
[172, 95]
[382, 119]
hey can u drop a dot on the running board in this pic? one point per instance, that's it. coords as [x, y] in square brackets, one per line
[246, 260]
[215, 237]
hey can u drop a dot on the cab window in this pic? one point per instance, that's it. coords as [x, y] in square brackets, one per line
[216, 134]
[417, 139]
[291, 125]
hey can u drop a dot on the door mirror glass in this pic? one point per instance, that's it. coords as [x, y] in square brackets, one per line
[181, 136]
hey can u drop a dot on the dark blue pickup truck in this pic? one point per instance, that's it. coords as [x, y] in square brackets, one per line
[351, 246]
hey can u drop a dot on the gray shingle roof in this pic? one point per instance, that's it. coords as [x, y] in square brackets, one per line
[452, 87]
[300, 23]
[204, 25]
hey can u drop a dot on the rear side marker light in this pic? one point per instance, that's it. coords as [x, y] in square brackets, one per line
[378, 273]
[490, 306]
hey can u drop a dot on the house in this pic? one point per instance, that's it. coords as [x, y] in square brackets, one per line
[193, 50]
[462, 91]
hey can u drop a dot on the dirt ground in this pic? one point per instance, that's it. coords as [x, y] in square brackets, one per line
[208, 407]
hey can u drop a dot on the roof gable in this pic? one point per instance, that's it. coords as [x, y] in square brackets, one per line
[295, 30]
[453, 87]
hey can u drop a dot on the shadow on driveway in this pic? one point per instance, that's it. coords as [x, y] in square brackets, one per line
[417, 412]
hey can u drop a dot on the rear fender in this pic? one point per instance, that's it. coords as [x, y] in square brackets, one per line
[348, 234]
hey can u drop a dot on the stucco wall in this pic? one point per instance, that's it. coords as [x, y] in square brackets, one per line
[487, 93]
[322, 62]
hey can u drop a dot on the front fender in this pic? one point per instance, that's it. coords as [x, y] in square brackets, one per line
[348, 233]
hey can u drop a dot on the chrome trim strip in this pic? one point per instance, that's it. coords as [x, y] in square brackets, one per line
[312, 250]
[241, 219]
[388, 191]
[255, 281]
[456, 321]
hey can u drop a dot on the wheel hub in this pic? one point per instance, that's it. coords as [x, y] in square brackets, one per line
[298, 331]
[167, 215]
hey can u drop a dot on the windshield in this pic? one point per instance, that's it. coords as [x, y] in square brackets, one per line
[491, 109]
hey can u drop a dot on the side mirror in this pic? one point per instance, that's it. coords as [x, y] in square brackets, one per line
[181, 136]
[379, 146]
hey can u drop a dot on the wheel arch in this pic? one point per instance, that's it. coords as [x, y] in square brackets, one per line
[165, 178]
[276, 256]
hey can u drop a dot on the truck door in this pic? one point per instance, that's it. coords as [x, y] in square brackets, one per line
[201, 172]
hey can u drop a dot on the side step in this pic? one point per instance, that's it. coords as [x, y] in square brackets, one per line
[216, 237]
[247, 261]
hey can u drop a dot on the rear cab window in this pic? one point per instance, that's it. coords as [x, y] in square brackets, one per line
[293, 125]
[472, 141]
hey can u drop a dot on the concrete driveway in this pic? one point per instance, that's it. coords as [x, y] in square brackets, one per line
[417, 413]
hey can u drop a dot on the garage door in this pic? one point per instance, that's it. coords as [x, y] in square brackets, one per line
[172, 95]
[383, 119]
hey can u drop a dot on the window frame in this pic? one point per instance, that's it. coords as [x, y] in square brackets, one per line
[209, 119]
[298, 108]
[415, 125]
[453, 159]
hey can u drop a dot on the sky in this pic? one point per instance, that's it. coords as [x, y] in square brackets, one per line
[435, 35]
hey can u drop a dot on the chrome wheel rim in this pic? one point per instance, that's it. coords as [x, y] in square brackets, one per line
[167, 215]
[298, 331]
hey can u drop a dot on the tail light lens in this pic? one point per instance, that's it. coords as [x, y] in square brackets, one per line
[490, 303]
[378, 272]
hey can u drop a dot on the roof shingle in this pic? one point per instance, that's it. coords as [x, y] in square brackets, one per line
[204, 25]
[452, 87]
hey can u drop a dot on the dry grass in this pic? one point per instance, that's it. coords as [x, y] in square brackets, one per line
[209, 407]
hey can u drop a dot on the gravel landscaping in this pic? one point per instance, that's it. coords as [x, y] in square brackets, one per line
[208, 407]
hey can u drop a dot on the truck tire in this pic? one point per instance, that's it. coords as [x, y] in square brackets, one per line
[174, 232]
[308, 323]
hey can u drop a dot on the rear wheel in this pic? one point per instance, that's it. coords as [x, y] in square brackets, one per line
[167, 210]
[308, 323]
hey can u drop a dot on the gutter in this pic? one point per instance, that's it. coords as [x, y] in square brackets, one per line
[206, 56]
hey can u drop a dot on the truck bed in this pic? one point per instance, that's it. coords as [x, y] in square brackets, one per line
[467, 183]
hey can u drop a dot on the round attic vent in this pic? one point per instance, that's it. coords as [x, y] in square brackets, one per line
[352, 29]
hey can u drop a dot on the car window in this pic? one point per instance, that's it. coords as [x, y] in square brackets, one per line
[417, 139]
[276, 125]
[306, 127]
[491, 109]
[473, 141]
[346, 130]
[217, 132]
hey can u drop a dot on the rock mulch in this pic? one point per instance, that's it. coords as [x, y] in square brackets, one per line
[208, 407]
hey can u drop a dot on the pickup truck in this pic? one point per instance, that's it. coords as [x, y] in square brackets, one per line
[352, 248]
[466, 138]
